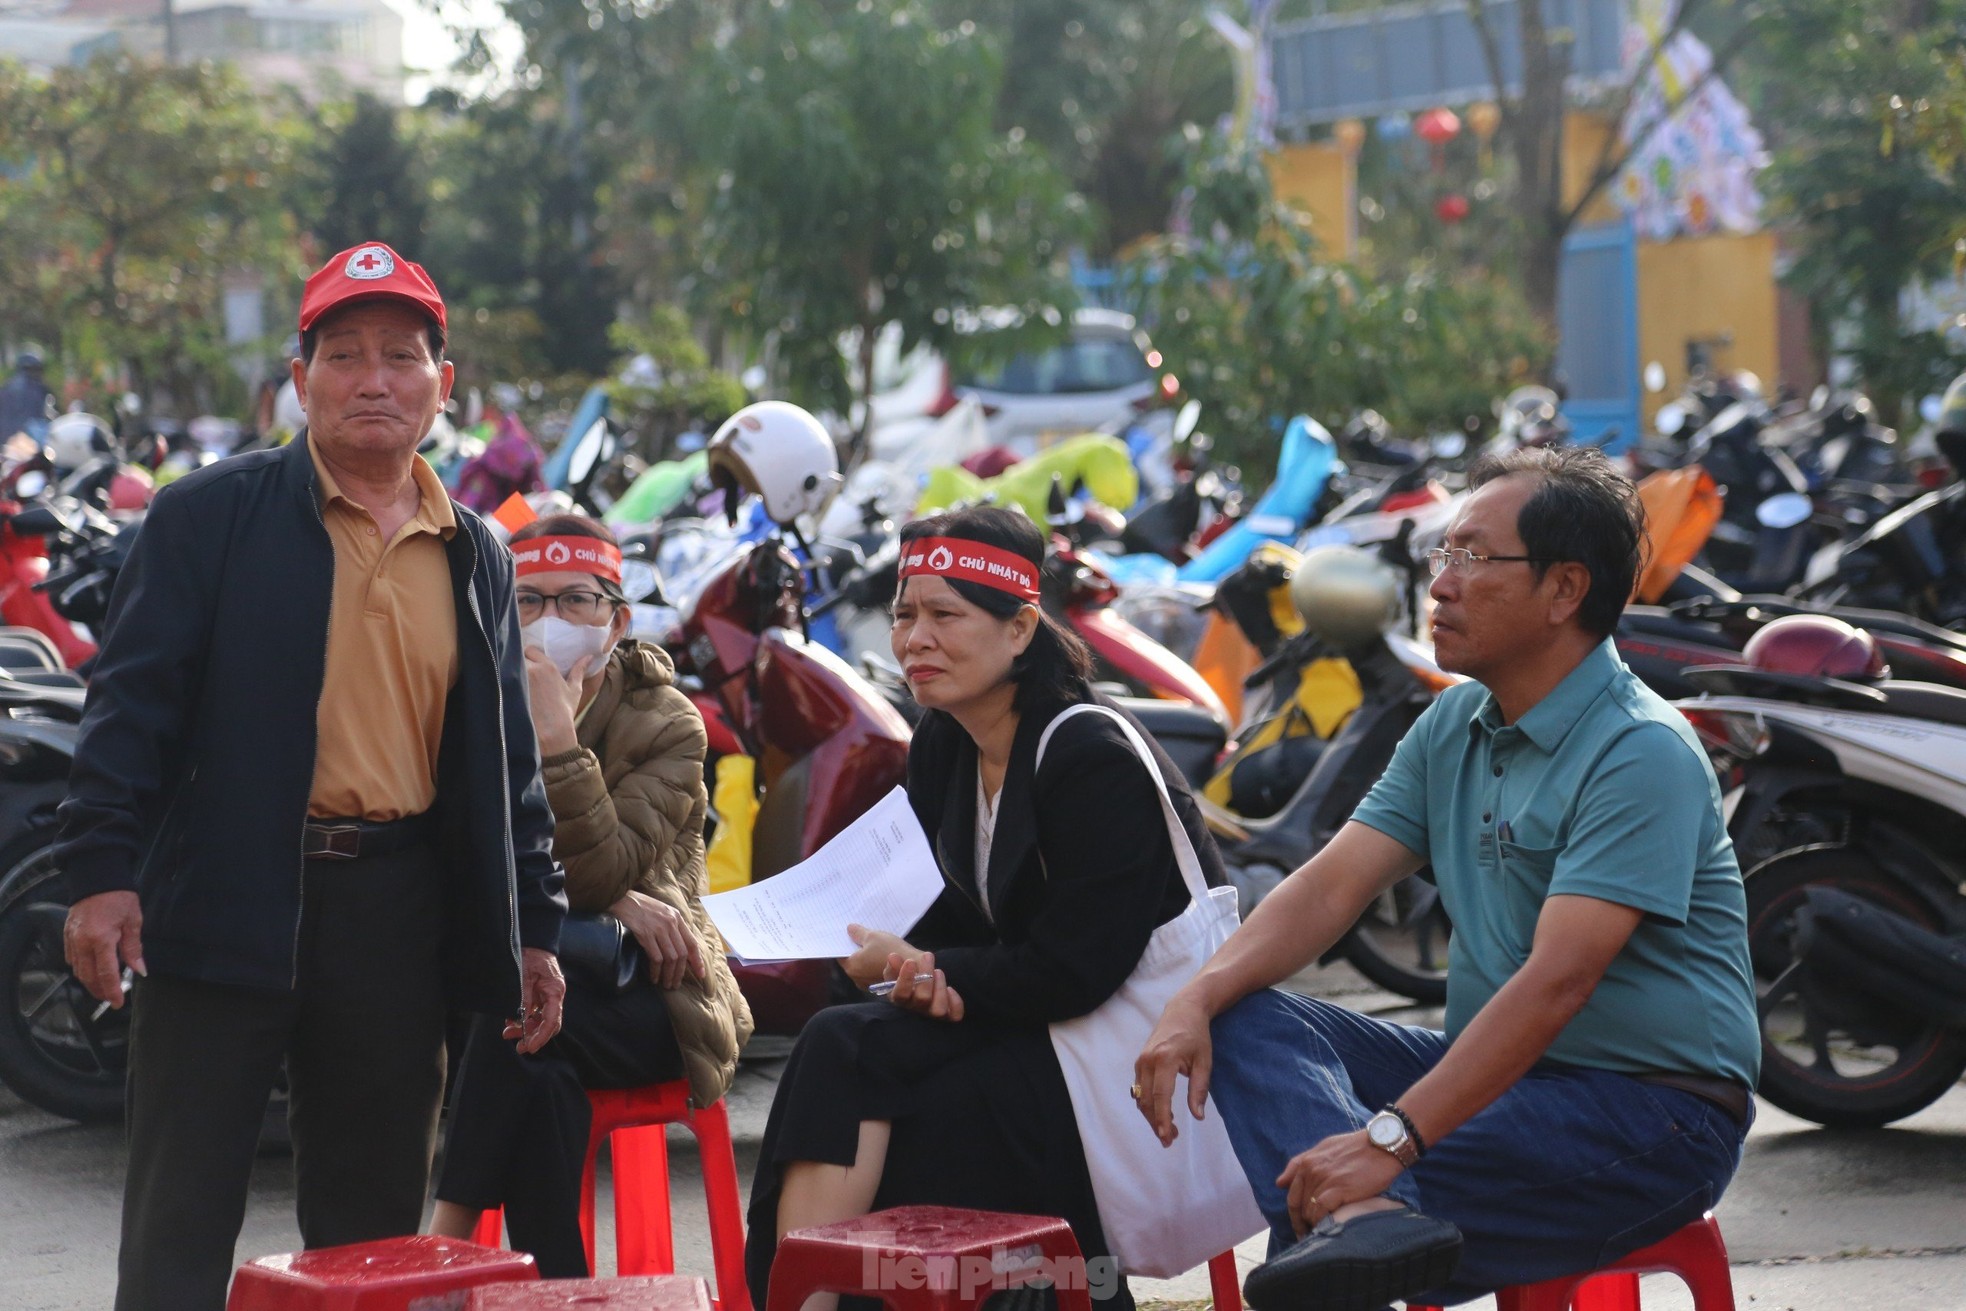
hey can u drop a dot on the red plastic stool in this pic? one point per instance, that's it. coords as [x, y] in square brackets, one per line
[391, 1274]
[1222, 1282]
[631, 1121]
[649, 1293]
[928, 1258]
[1696, 1254]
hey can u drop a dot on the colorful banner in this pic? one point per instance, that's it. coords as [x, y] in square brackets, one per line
[1697, 154]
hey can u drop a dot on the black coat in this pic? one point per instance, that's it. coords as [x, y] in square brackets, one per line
[1081, 870]
[196, 758]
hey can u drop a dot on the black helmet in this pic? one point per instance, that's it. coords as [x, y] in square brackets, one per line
[29, 360]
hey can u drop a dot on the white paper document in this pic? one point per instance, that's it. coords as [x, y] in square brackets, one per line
[878, 872]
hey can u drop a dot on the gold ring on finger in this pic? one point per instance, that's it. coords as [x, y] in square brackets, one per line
[1136, 1092]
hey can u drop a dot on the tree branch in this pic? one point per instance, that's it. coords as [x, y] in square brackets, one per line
[1611, 159]
[1491, 53]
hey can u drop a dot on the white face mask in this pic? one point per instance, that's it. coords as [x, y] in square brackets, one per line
[565, 643]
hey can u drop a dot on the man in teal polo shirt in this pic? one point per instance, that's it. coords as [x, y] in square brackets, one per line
[1591, 1091]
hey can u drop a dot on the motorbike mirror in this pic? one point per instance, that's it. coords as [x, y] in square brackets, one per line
[1931, 408]
[639, 580]
[1655, 377]
[1784, 510]
[31, 484]
[1185, 421]
[1819, 397]
[1670, 420]
[588, 450]
[1450, 445]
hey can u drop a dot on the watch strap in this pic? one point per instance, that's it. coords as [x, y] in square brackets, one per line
[1419, 1143]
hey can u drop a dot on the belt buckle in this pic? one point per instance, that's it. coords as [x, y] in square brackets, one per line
[331, 844]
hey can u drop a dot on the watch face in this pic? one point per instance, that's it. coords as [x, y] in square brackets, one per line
[1384, 1130]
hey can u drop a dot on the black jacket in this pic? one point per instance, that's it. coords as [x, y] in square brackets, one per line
[196, 756]
[1081, 870]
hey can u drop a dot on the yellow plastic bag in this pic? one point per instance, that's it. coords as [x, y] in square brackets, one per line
[735, 799]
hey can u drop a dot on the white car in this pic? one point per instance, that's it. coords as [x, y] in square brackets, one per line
[1105, 373]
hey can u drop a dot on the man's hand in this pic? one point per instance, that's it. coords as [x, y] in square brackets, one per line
[554, 701]
[102, 935]
[541, 993]
[1180, 1044]
[933, 997]
[664, 934]
[868, 966]
[1343, 1169]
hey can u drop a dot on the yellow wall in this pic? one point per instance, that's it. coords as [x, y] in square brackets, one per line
[1322, 181]
[1707, 287]
[1583, 138]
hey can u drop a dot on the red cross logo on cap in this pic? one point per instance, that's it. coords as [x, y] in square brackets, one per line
[369, 263]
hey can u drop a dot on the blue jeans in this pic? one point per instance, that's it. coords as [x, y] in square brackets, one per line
[1567, 1170]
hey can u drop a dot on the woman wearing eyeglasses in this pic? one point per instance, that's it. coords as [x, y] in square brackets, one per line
[621, 755]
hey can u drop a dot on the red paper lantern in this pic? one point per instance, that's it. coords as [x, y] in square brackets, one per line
[1437, 126]
[1452, 208]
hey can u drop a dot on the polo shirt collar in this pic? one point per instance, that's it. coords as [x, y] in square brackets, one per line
[1550, 720]
[433, 515]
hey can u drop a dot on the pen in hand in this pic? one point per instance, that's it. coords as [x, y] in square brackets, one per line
[884, 988]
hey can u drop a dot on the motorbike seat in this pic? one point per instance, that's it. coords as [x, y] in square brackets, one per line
[1911, 700]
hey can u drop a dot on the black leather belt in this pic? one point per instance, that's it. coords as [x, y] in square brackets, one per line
[359, 839]
[1729, 1096]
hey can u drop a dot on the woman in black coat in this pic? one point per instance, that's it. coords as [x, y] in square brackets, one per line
[948, 1091]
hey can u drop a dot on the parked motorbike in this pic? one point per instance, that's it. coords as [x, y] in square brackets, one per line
[1913, 559]
[827, 743]
[24, 566]
[1348, 600]
[60, 1049]
[1845, 792]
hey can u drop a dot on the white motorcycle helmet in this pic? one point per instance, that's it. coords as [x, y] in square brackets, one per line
[777, 450]
[1348, 597]
[77, 439]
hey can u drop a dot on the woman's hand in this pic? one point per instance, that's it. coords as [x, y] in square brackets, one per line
[933, 998]
[554, 700]
[664, 934]
[868, 966]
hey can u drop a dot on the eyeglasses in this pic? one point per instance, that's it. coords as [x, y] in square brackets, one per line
[1441, 559]
[575, 606]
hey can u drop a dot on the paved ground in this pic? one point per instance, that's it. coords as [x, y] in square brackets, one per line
[1814, 1220]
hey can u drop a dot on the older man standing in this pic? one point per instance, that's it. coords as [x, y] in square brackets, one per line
[305, 811]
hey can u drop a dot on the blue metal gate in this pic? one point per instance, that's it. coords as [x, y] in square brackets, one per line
[1597, 323]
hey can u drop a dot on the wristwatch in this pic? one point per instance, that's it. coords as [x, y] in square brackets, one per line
[1391, 1132]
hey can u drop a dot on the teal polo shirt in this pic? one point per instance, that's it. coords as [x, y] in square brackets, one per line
[1600, 790]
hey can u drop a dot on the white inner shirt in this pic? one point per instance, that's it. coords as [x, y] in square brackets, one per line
[986, 825]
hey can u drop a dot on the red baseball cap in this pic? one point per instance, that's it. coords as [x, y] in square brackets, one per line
[370, 271]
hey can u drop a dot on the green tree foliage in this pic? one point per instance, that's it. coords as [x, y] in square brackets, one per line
[1259, 326]
[374, 182]
[1871, 215]
[863, 182]
[675, 390]
[1105, 86]
[133, 192]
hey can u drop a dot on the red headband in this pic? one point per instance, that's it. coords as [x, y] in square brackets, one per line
[587, 555]
[971, 562]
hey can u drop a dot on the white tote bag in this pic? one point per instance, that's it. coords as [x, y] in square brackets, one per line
[1165, 1209]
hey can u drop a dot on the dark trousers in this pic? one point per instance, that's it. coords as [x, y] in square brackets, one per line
[1567, 1170]
[519, 1124]
[362, 1036]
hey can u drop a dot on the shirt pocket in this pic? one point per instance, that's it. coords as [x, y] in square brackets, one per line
[1526, 873]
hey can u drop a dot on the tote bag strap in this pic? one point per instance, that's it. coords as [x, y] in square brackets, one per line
[1177, 833]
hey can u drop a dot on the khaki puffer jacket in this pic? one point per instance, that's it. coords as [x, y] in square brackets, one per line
[629, 807]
